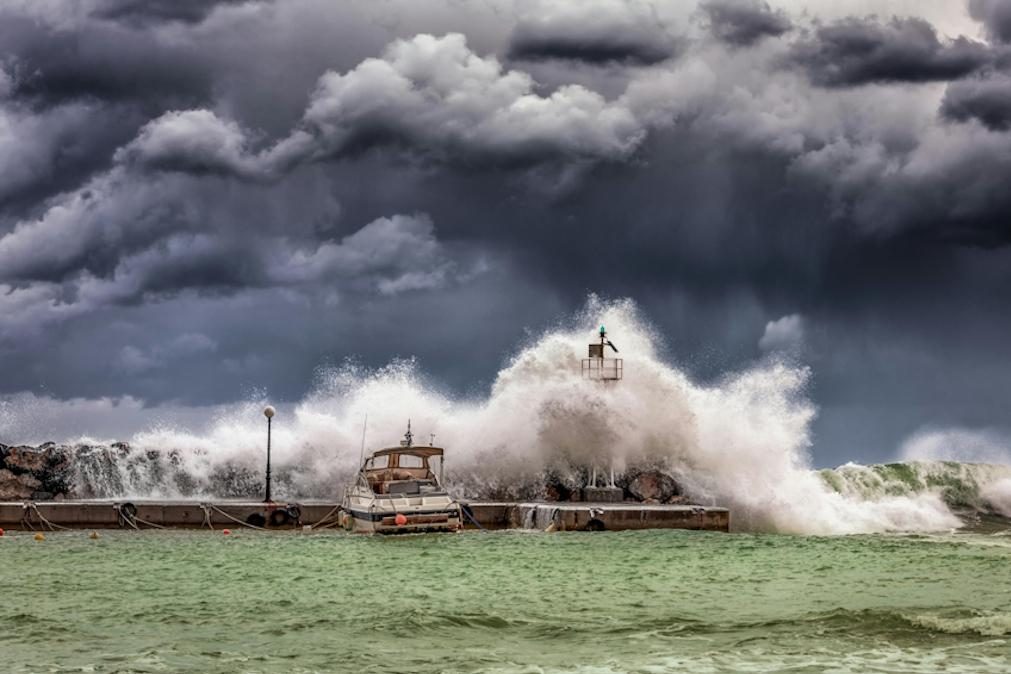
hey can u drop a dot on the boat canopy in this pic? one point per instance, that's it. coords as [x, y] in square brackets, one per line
[424, 452]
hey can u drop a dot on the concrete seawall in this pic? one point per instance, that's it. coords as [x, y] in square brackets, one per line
[143, 514]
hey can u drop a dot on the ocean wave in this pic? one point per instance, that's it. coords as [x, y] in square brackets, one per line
[987, 625]
[976, 486]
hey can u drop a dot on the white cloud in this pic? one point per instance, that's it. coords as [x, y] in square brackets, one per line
[195, 141]
[435, 94]
[429, 95]
[784, 335]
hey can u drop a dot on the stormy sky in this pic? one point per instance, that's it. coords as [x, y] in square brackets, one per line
[204, 200]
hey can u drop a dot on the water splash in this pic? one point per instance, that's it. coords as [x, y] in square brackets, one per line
[742, 442]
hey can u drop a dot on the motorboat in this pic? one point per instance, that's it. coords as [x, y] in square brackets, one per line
[399, 490]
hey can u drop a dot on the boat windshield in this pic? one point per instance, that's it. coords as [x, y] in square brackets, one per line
[403, 473]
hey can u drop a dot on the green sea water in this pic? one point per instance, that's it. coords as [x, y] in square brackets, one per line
[511, 601]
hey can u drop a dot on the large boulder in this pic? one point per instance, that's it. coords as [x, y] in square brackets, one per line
[653, 486]
[28, 459]
[16, 487]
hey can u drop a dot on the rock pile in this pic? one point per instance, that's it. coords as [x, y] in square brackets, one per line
[38, 473]
[641, 484]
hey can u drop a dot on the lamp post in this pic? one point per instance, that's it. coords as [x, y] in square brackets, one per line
[268, 412]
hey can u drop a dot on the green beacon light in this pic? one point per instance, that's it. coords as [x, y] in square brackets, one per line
[602, 331]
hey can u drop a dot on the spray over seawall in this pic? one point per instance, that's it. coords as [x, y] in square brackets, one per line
[742, 442]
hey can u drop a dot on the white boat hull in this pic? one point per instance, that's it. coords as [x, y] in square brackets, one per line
[363, 513]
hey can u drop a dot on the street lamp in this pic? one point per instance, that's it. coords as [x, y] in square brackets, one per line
[268, 412]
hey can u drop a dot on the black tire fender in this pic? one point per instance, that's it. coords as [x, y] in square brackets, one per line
[279, 518]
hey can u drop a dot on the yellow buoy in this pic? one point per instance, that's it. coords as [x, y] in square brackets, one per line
[93, 535]
[40, 536]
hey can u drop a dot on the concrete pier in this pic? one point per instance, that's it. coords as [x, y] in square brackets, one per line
[150, 514]
[144, 514]
[597, 516]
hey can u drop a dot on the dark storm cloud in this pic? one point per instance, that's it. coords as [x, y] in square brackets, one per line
[142, 12]
[46, 152]
[275, 186]
[987, 100]
[946, 189]
[599, 32]
[995, 16]
[103, 62]
[744, 22]
[856, 51]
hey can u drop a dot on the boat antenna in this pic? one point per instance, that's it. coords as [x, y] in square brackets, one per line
[408, 436]
[365, 424]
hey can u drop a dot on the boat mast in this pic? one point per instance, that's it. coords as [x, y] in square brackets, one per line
[408, 436]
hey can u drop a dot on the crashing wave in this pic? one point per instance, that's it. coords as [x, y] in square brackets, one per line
[742, 442]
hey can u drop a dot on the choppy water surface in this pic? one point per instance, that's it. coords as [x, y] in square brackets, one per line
[505, 602]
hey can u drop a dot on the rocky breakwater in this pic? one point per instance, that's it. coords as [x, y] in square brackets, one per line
[639, 484]
[54, 471]
[37, 473]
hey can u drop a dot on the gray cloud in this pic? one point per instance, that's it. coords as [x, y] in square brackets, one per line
[855, 51]
[744, 22]
[995, 16]
[986, 99]
[596, 32]
[136, 360]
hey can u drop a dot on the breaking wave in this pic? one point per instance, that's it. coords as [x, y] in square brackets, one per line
[964, 486]
[741, 442]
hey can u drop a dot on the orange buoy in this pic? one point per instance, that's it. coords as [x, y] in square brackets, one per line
[1, 531]
[400, 519]
[226, 532]
[40, 536]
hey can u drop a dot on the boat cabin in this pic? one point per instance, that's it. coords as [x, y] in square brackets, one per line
[404, 471]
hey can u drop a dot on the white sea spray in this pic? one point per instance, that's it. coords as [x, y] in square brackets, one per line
[741, 442]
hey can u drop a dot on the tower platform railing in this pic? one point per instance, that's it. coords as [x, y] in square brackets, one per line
[602, 369]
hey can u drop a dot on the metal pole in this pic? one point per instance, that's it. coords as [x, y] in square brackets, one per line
[267, 499]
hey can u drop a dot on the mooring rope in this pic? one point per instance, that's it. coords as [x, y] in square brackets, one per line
[207, 516]
[150, 524]
[52, 527]
[466, 511]
[235, 519]
[26, 518]
[124, 516]
[320, 524]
